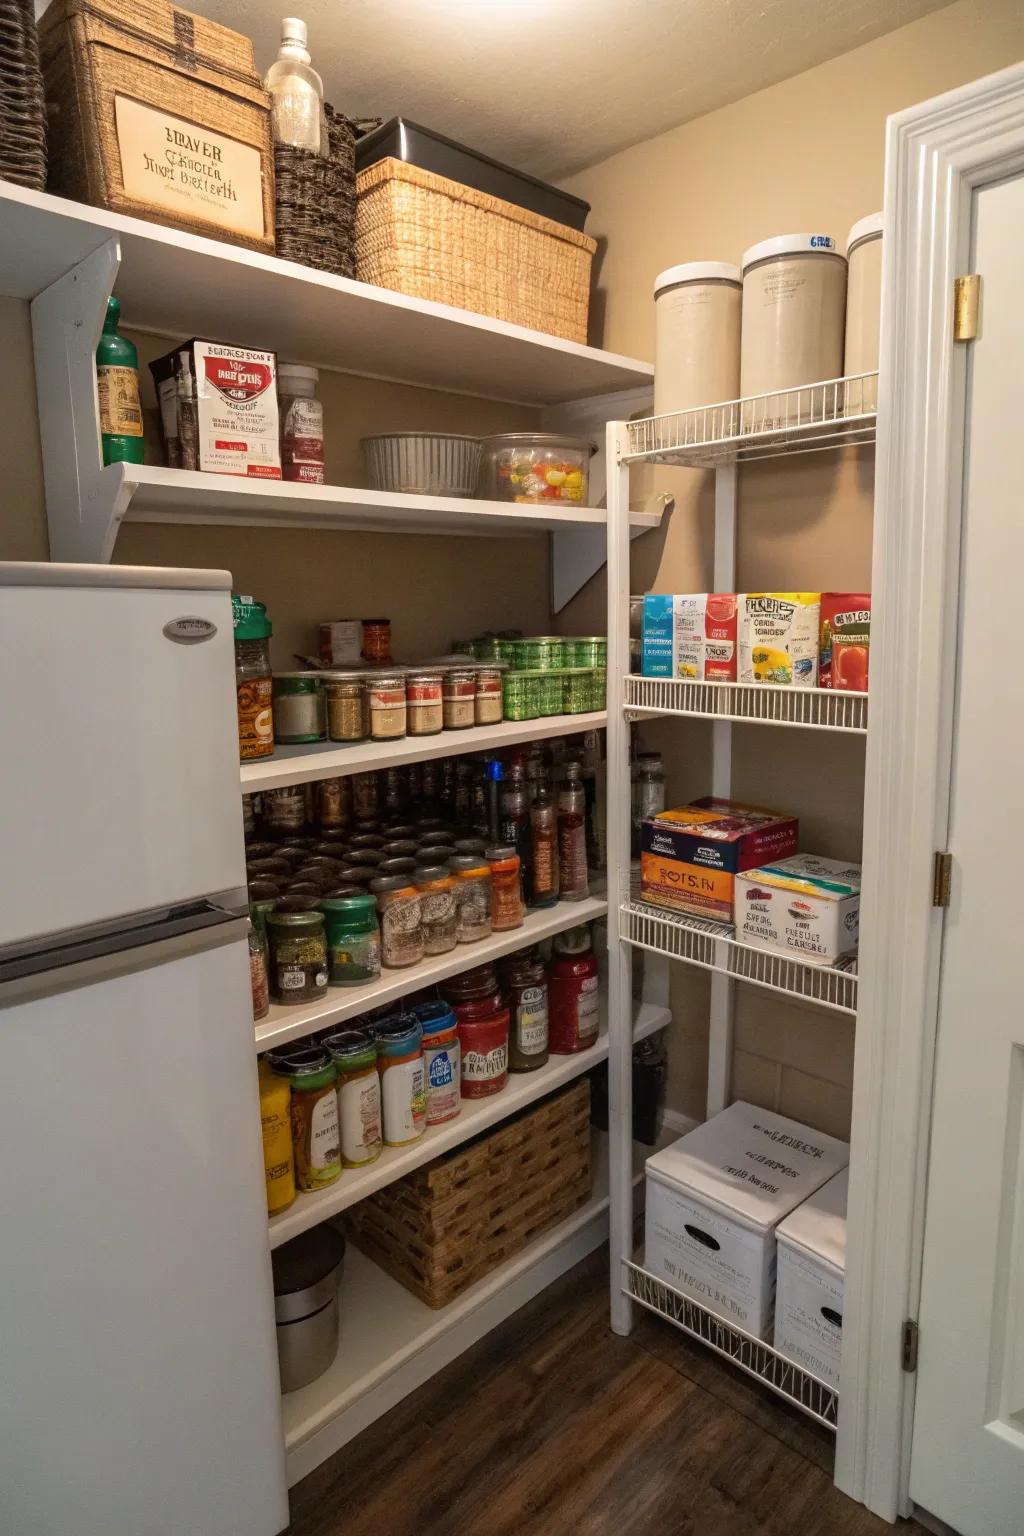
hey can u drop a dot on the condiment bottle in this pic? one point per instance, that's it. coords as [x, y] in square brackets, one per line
[314, 1114]
[544, 847]
[573, 882]
[402, 1080]
[441, 1056]
[354, 1053]
[278, 1156]
[296, 92]
[253, 680]
[573, 1018]
[515, 820]
[484, 1046]
[525, 980]
[117, 386]
[506, 888]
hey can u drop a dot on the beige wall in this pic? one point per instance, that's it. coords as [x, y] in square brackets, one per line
[804, 154]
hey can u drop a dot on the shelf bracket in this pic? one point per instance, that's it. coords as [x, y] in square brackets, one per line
[579, 553]
[85, 501]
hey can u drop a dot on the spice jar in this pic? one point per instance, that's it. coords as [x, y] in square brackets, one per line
[284, 810]
[253, 681]
[298, 707]
[526, 986]
[487, 705]
[425, 709]
[346, 705]
[506, 888]
[472, 896]
[314, 1113]
[387, 705]
[365, 799]
[401, 926]
[302, 424]
[441, 1061]
[376, 641]
[459, 698]
[276, 1125]
[258, 972]
[403, 1088]
[572, 993]
[436, 885]
[483, 1044]
[354, 1053]
[353, 939]
[298, 952]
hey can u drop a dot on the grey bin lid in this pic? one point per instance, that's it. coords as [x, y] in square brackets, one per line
[306, 1273]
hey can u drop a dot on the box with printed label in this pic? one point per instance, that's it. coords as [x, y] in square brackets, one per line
[778, 638]
[806, 907]
[811, 1275]
[218, 408]
[714, 1199]
[692, 636]
[845, 641]
[690, 857]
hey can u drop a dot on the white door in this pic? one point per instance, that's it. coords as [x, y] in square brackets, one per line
[967, 1462]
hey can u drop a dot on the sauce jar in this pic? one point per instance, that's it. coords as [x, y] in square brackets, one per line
[298, 954]
[387, 705]
[526, 985]
[459, 698]
[506, 888]
[401, 924]
[472, 896]
[354, 1053]
[333, 806]
[346, 705]
[276, 1125]
[436, 885]
[572, 993]
[483, 1044]
[441, 1057]
[298, 707]
[480, 984]
[253, 681]
[402, 1080]
[424, 703]
[353, 939]
[376, 640]
[487, 704]
[313, 1112]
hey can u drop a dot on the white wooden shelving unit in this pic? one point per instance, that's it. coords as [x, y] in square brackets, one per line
[835, 413]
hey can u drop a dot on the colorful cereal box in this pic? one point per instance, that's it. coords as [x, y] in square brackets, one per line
[778, 638]
[845, 641]
[691, 635]
[690, 857]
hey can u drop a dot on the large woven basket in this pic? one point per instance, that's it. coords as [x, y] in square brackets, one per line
[22, 116]
[432, 238]
[447, 1225]
[316, 201]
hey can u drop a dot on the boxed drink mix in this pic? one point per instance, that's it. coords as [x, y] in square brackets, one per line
[691, 636]
[845, 641]
[690, 857]
[218, 409]
[778, 638]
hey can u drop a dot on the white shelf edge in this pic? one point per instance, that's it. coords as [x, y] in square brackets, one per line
[330, 759]
[812, 709]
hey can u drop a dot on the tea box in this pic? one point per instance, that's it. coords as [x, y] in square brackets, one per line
[690, 857]
[778, 638]
[845, 641]
[692, 636]
[810, 1281]
[805, 907]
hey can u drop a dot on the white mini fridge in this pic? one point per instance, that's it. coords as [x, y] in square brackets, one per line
[139, 1393]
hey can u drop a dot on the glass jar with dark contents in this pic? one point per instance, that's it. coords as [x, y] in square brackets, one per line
[298, 953]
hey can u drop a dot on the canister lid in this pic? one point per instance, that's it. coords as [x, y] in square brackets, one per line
[868, 228]
[306, 1272]
[429, 874]
[435, 1016]
[696, 272]
[297, 371]
[790, 245]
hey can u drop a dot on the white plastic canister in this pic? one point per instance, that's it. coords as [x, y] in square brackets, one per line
[697, 342]
[794, 308]
[863, 307]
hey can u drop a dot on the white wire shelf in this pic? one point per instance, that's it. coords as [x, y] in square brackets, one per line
[835, 413]
[809, 1393]
[813, 709]
[713, 947]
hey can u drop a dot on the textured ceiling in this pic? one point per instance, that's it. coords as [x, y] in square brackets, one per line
[552, 86]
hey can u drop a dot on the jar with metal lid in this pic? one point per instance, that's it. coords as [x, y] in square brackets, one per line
[440, 1060]
[480, 981]
[403, 1087]
[401, 921]
[525, 980]
[459, 698]
[520, 694]
[298, 952]
[697, 335]
[298, 707]
[436, 885]
[284, 810]
[346, 705]
[472, 896]
[387, 705]
[863, 311]
[376, 641]
[353, 939]
[424, 702]
[354, 1053]
[314, 1113]
[487, 705]
[507, 911]
[483, 1046]
[253, 679]
[365, 799]
[794, 311]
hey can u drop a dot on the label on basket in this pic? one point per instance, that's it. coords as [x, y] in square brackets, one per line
[187, 169]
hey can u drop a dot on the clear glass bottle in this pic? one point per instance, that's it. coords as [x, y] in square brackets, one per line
[573, 880]
[650, 786]
[296, 92]
[514, 823]
[544, 845]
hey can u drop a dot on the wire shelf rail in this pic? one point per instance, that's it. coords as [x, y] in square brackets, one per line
[813, 709]
[836, 413]
[809, 1393]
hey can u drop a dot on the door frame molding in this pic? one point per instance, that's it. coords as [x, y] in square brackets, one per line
[937, 154]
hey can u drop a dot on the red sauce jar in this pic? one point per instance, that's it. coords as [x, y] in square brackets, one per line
[376, 640]
[483, 1046]
[572, 994]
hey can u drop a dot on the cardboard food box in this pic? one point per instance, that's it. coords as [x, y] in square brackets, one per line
[690, 857]
[779, 638]
[845, 641]
[218, 409]
[714, 1199]
[691, 636]
[805, 907]
[811, 1277]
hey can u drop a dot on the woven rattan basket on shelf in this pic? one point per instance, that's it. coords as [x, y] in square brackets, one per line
[447, 1225]
[432, 238]
[316, 201]
[22, 115]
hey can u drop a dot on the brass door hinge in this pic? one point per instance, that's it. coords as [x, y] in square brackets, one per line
[909, 1345]
[942, 879]
[966, 292]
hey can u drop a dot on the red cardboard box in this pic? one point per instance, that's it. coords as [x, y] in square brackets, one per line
[845, 641]
[690, 857]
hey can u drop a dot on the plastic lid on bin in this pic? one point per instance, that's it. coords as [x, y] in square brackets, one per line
[790, 245]
[696, 272]
[867, 228]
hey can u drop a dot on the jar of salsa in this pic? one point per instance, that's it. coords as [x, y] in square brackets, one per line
[314, 1113]
[472, 896]
[402, 1080]
[354, 1053]
[436, 885]
[441, 1061]
[506, 888]
[572, 993]
[298, 954]
[353, 939]
[401, 921]
[526, 985]
[376, 641]
[484, 1048]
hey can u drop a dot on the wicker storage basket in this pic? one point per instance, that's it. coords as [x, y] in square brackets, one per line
[432, 238]
[155, 112]
[448, 1224]
[316, 201]
[22, 118]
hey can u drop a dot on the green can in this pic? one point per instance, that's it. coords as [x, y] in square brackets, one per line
[487, 648]
[576, 691]
[539, 653]
[353, 939]
[520, 696]
[598, 688]
[589, 651]
[550, 687]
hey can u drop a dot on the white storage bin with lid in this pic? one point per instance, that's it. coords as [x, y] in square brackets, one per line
[863, 308]
[794, 313]
[714, 1199]
[812, 1270]
[697, 335]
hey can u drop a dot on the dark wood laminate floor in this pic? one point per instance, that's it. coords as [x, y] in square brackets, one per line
[553, 1426]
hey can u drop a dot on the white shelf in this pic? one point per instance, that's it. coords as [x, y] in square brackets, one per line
[812, 709]
[180, 285]
[332, 759]
[712, 947]
[834, 413]
[287, 1022]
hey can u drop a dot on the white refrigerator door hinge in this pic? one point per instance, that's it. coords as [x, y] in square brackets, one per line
[909, 1345]
[942, 880]
[966, 293]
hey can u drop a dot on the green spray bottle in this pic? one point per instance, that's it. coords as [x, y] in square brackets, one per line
[117, 384]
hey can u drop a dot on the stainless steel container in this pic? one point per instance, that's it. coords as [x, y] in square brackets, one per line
[307, 1272]
[423, 463]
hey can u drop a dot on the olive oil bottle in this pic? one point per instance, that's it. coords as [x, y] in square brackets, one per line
[117, 384]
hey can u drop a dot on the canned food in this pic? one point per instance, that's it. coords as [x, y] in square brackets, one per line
[519, 702]
[590, 651]
[539, 653]
[576, 691]
[549, 687]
